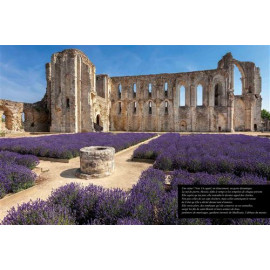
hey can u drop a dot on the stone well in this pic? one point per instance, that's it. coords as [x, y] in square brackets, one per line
[95, 162]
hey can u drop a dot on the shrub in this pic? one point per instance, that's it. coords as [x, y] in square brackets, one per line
[38, 213]
[81, 201]
[14, 178]
[112, 206]
[146, 196]
[28, 161]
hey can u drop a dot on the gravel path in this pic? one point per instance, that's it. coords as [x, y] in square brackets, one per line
[55, 174]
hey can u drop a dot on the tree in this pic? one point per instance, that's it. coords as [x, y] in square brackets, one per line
[265, 115]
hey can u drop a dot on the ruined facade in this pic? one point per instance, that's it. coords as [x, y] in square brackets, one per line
[78, 100]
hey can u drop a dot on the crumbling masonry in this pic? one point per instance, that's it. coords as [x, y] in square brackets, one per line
[78, 100]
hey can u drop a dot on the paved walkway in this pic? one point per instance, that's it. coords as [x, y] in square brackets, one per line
[126, 174]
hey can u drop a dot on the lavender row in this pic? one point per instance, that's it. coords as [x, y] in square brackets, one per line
[29, 161]
[67, 146]
[213, 154]
[14, 177]
[15, 172]
[157, 146]
[147, 203]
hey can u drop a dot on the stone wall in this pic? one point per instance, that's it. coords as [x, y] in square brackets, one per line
[266, 125]
[165, 113]
[19, 117]
[159, 109]
[11, 116]
[37, 117]
[101, 103]
[71, 83]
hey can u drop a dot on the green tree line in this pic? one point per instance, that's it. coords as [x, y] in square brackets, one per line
[265, 114]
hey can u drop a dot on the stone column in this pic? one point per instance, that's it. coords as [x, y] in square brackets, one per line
[211, 112]
[211, 106]
[175, 109]
[193, 99]
[76, 86]
[128, 120]
[141, 114]
[188, 96]
[205, 95]
[231, 110]
[158, 123]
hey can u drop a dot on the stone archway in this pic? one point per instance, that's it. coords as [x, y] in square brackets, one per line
[98, 120]
[98, 124]
[6, 119]
[218, 93]
[238, 68]
[183, 125]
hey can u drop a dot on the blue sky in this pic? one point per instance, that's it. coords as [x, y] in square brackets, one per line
[22, 68]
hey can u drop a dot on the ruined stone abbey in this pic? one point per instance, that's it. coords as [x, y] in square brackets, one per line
[78, 100]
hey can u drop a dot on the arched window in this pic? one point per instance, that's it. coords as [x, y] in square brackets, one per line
[150, 89]
[119, 90]
[199, 95]
[150, 107]
[119, 108]
[237, 81]
[7, 120]
[23, 117]
[166, 89]
[216, 95]
[3, 118]
[67, 103]
[182, 96]
[134, 107]
[98, 119]
[166, 107]
[134, 90]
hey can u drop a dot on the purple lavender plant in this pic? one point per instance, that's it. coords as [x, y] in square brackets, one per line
[146, 196]
[81, 201]
[112, 206]
[14, 178]
[28, 161]
[68, 145]
[38, 213]
[237, 154]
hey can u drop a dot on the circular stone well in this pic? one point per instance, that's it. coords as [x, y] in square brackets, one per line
[95, 162]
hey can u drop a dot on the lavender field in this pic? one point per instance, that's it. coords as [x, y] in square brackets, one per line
[147, 203]
[67, 146]
[15, 172]
[237, 154]
[184, 160]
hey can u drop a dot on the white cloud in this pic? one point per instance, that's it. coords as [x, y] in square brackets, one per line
[22, 85]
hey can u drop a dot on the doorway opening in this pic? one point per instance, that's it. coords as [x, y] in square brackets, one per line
[255, 127]
[98, 124]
